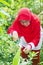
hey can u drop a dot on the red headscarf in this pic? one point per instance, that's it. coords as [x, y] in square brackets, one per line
[24, 14]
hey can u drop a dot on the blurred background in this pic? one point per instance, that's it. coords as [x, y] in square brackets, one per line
[8, 11]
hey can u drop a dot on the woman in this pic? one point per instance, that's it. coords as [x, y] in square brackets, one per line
[27, 26]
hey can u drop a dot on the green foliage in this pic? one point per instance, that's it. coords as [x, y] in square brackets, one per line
[17, 58]
[29, 60]
[11, 8]
[7, 49]
[8, 12]
[4, 2]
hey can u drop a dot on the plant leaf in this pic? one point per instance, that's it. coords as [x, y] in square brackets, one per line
[4, 2]
[16, 58]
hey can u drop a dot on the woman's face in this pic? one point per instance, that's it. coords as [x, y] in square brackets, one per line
[25, 23]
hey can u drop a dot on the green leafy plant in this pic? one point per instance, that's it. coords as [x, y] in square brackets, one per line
[8, 11]
[16, 58]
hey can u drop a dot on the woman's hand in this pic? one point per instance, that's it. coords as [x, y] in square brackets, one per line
[15, 36]
[27, 49]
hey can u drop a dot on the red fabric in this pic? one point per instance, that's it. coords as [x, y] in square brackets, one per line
[36, 59]
[30, 33]
[23, 54]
